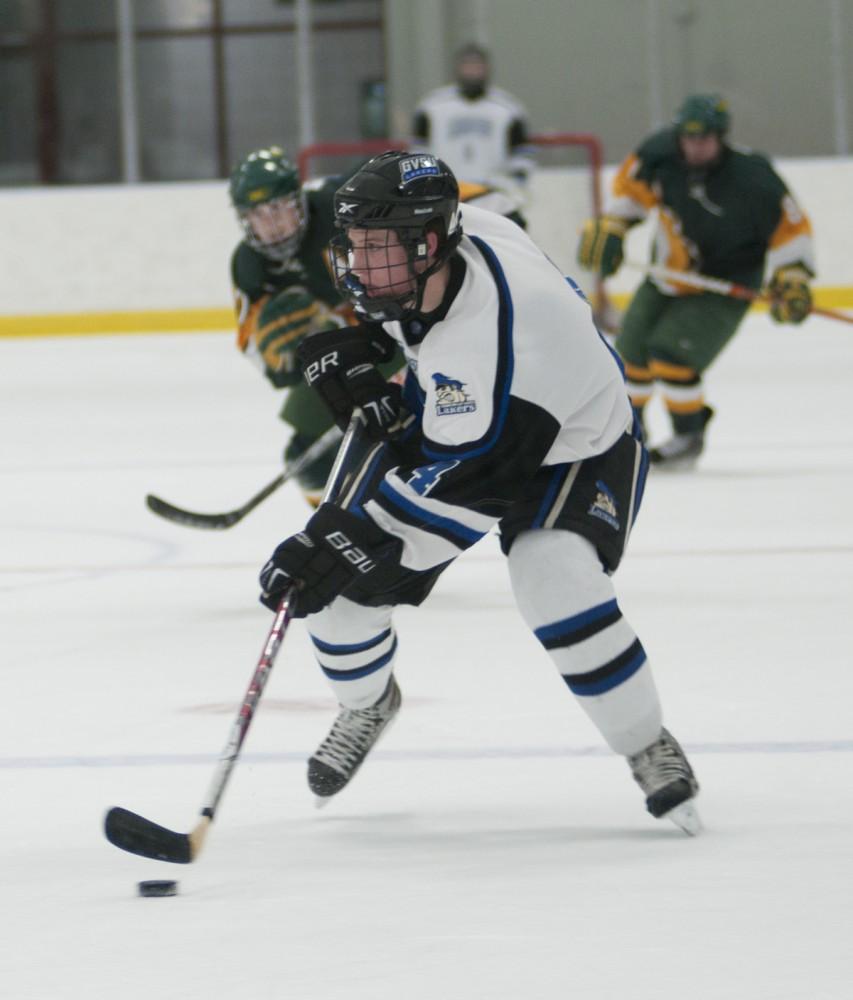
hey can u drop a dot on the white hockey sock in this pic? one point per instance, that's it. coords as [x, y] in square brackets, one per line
[569, 602]
[355, 647]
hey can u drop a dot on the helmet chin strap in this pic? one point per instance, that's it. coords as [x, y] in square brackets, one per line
[387, 309]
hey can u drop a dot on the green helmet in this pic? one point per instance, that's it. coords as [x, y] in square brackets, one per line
[268, 178]
[703, 113]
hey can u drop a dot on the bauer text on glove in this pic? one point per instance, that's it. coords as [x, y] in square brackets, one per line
[336, 551]
[341, 366]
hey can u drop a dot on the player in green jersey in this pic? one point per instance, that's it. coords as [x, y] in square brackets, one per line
[721, 211]
[284, 289]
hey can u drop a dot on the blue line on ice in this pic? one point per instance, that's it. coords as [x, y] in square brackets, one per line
[460, 753]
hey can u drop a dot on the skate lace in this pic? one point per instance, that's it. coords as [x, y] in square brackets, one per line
[352, 735]
[660, 764]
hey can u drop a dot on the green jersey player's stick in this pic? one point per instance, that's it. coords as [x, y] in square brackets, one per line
[228, 519]
[722, 287]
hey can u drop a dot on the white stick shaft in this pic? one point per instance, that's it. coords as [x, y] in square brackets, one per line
[228, 757]
[685, 278]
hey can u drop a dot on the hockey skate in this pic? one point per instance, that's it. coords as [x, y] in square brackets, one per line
[683, 449]
[664, 774]
[353, 734]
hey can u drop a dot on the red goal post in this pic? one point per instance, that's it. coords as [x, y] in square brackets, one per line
[566, 187]
[589, 144]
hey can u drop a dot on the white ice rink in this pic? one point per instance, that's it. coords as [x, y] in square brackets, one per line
[490, 849]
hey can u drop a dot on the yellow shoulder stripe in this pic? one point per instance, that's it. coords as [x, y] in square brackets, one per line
[249, 324]
[626, 185]
[792, 225]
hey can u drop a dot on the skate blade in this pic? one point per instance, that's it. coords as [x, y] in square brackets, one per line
[686, 818]
[321, 801]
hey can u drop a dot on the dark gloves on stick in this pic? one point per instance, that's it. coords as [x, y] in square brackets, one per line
[336, 550]
[341, 366]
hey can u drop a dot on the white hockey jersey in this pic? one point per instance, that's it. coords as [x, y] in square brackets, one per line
[482, 140]
[513, 377]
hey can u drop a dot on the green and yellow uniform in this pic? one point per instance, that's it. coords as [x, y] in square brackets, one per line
[280, 302]
[728, 221]
[730, 218]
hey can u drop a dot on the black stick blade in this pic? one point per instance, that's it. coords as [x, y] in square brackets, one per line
[138, 835]
[192, 519]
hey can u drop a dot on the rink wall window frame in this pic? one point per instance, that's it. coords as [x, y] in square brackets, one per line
[60, 87]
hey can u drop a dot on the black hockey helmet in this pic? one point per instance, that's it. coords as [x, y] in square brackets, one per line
[408, 195]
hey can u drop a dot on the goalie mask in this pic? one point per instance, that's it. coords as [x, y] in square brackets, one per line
[388, 210]
[267, 197]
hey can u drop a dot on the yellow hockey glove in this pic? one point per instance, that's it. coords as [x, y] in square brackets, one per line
[283, 322]
[790, 295]
[600, 248]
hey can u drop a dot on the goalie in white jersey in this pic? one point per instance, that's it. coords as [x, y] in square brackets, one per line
[517, 417]
[479, 130]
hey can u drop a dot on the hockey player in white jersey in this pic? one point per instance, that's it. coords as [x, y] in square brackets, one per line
[520, 420]
[479, 130]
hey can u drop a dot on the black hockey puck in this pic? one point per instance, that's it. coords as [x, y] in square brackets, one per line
[158, 887]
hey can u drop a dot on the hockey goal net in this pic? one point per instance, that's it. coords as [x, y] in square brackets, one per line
[566, 186]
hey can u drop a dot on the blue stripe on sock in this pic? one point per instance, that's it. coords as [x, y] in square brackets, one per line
[585, 689]
[569, 625]
[359, 672]
[356, 647]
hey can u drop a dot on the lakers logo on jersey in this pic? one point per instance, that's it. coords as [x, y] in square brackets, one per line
[451, 397]
[604, 506]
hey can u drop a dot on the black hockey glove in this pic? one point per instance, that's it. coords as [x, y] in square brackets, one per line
[336, 550]
[341, 366]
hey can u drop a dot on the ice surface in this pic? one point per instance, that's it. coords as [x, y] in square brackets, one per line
[491, 848]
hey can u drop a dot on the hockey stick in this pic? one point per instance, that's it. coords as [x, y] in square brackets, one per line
[721, 287]
[229, 518]
[138, 835]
